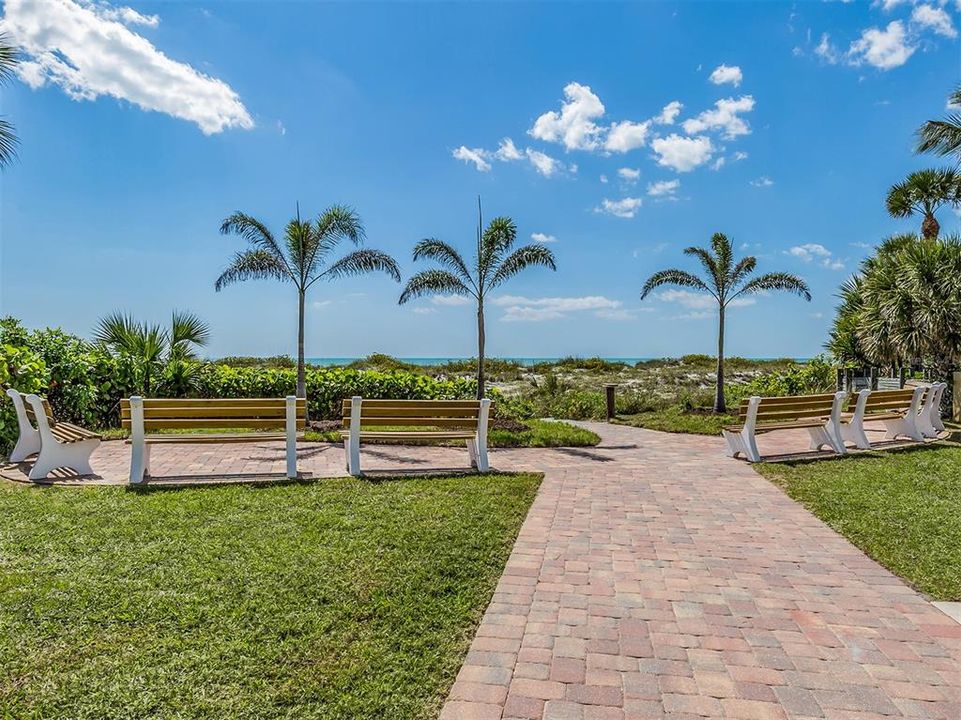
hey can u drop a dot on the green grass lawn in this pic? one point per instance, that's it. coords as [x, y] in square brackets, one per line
[333, 599]
[677, 420]
[902, 508]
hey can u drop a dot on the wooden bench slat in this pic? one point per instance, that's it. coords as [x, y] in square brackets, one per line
[382, 411]
[417, 422]
[211, 402]
[405, 435]
[212, 438]
[152, 411]
[216, 423]
[786, 425]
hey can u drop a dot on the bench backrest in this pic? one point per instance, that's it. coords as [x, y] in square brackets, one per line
[784, 409]
[416, 413]
[28, 409]
[885, 401]
[193, 413]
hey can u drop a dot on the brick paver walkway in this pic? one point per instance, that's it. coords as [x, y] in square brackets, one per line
[655, 578]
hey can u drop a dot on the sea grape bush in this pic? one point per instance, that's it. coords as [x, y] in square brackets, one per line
[84, 382]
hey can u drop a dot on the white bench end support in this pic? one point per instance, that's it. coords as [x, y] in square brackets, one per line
[352, 441]
[139, 449]
[28, 441]
[291, 428]
[55, 454]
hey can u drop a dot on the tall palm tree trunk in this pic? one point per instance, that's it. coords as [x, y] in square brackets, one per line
[930, 227]
[480, 350]
[719, 404]
[301, 373]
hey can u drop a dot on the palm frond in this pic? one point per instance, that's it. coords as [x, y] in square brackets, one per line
[9, 143]
[333, 226]
[496, 241]
[941, 137]
[445, 254]
[521, 259]
[301, 243]
[673, 276]
[723, 254]
[253, 265]
[433, 282]
[9, 59]
[709, 263]
[361, 262]
[779, 281]
[117, 330]
[744, 267]
[254, 232]
[186, 331]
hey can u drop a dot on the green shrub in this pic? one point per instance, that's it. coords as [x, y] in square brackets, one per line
[815, 376]
[275, 361]
[23, 370]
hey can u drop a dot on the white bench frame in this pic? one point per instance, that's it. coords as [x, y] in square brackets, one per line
[140, 444]
[852, 429]
[476, 446]
[55, 454]
[929, 418]
[745, 440]
[28, 441]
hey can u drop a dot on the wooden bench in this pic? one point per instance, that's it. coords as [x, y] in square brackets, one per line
[57, 444]
[435, 419]
[818, 414]
[897, 409]
[140, 415]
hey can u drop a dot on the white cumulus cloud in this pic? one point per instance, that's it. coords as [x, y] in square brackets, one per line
[934, 19]
[543, 163]
[629, 174]
[626, 135]
[518, 308]
[682, 154]
[574, 125]
[478, 156]
[623, 208]
[86, 49]
[543, 237]
[725, 116]
[663, 188]
[727, 74]
[669, 113]
[507, 151]
[763, 181]
[811, 252]
[883, 49]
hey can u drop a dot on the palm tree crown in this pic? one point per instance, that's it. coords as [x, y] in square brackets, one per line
[155, 348]
[725, 280]
[303, 257]
[9, 59]
[923, 192]
[943, 137]
[496, 261]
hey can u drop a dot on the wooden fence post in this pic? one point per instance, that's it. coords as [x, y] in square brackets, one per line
[609, 392]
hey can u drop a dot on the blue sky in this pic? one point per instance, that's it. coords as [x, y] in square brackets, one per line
[635, 130]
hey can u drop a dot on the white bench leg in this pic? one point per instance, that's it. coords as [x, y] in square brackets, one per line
[734, 444]
[854, 433]
[291, 428]
[27, 444]
[139, 462]
[472, 451]
[480, 441]
[905, 426]
[820, 438]
[75, 456]
[353, 440]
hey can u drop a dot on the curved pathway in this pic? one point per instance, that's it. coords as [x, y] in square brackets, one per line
[655, 578]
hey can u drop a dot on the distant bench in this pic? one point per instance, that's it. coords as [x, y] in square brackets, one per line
[140, 415]
[415, 420]
[900, 410]
[818, 414]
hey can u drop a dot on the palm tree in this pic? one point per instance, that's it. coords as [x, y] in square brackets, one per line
[726, 280]
[9, 59]
[942, 137]
[156, 349]
[494, 264]
[303, 257]
[923, 192]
